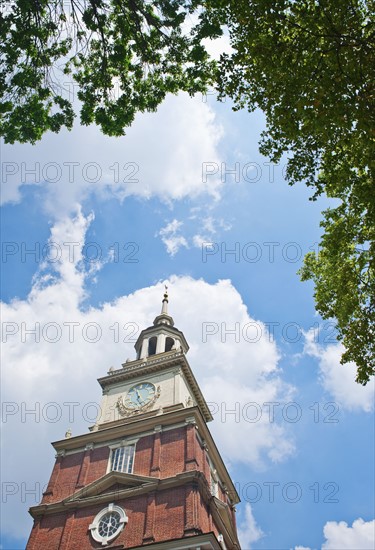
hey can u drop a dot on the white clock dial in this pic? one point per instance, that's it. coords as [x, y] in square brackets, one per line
[140, 395]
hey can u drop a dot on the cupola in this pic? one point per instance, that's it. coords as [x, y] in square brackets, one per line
[162, 337]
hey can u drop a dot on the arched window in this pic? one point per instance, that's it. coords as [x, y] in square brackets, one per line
[169, 343]
[152, 346]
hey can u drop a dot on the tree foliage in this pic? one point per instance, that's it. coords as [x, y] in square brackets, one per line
[124, 56]
[308, 64]
[344, 275]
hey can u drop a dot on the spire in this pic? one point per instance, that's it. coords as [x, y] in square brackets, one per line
[164, 317]
[164, 309]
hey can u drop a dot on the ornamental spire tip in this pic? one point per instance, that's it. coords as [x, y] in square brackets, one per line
[164, 308]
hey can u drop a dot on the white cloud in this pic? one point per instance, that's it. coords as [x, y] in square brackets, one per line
[360, 536]
[162, 156]
[200, 241]
[210, 227]
[171, 227]
[337, 379]
[173, 244]
[171, 239]
[78, 344]
[248, 530]
[340, 536]
[218, 46]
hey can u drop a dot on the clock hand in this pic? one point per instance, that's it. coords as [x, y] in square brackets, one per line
[139, 397]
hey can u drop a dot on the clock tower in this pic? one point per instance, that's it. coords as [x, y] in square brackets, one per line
[148, 473]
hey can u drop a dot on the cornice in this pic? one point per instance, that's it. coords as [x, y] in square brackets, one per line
[133, 368]
[155, 364]
[208, 541]
[220, 513]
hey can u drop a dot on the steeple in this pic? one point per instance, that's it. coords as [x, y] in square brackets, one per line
[162, 337]
[164, 318]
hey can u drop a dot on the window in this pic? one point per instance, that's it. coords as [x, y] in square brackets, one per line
[152, 345]
[122, 459]
[108, 524]
[169, 343]
[214, 484]
[214, 479]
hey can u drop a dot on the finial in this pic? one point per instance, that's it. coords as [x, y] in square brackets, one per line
[164, 308]
[68, 433]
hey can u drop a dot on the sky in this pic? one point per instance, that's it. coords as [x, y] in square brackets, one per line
[92, 229]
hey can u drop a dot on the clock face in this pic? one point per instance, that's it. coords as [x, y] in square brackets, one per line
[140, 395]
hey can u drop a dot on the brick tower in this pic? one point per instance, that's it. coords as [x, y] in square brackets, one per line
[148, 473]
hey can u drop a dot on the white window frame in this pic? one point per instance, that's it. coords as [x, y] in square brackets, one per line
[119, 445]
[93, 527]
[214, 483]
[127, 459]
[214, 479]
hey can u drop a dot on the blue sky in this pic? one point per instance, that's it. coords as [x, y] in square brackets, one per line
[186, 198]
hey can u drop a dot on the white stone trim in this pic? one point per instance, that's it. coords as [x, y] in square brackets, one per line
[220, 538]
[95, 524]
[117, 442]
[62, 453]
[124, 442]
[206, 542]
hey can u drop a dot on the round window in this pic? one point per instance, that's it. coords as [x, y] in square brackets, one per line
[108, 524]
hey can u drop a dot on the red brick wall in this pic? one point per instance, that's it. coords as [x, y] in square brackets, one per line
[172, 458]
[65, 475]
[98, 464]
[169, 514]
[47, 533]
[159, 516]
[73, 471]
[71, 530]
[143, 454]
